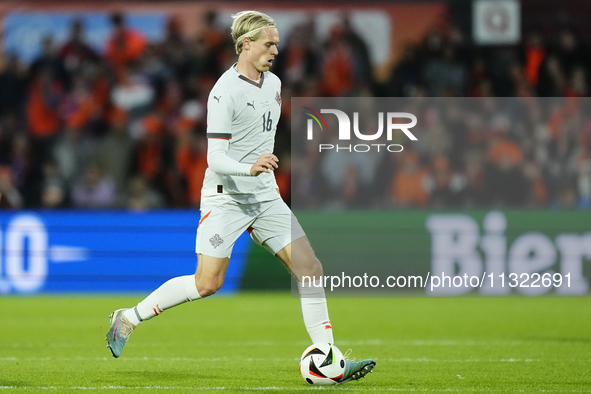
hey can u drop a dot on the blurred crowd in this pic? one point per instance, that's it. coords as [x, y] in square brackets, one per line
[517, 152]
[124, 127]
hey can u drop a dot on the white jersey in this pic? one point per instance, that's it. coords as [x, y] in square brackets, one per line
[246, 113]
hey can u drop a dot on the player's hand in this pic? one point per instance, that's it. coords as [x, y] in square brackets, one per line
[265, 163]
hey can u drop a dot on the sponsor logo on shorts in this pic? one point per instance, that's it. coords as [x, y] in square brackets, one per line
[216, 240]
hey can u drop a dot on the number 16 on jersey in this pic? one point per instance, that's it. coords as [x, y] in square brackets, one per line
[267, 122]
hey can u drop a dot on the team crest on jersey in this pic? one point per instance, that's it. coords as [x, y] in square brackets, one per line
[278, 98]
[216, 241]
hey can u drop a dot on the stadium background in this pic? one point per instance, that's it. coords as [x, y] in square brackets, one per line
[102, 116]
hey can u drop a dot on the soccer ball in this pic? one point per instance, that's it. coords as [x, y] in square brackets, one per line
[322, 364]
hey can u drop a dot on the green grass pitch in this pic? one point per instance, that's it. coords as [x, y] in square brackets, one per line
[252, 342]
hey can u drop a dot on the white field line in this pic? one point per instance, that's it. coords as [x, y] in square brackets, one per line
[342, 344]
[275, 388]
[266, 359]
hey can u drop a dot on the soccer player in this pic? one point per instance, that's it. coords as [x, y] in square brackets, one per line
[240, 193]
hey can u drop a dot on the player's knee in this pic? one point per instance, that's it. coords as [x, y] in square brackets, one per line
[207, 288]
[315, 267]
[310, 267]
[205, 291]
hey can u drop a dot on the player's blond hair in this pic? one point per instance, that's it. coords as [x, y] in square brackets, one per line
[249, 24]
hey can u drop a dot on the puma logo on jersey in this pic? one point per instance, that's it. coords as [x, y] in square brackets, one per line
[217, 98]
[251, 105]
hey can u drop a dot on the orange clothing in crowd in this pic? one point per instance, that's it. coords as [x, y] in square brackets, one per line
[152, 124]
[183, 125]
[540, 191]
[81, 116]
[151, 148]
[193, 167]
[213, 38]
[533, 60]
[124, 46]
[283, 179]
[43, 120]
[101, 93]
[338, 72]
[505, 149]
[150, 155]
[117, 115]
[407, 187]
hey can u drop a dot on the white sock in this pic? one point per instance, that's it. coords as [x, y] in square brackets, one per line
[315, 312]
[172, 293]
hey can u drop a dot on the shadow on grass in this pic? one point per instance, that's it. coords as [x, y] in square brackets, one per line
[15, 383]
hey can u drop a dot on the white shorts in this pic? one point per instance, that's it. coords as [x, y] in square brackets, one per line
[271, 224]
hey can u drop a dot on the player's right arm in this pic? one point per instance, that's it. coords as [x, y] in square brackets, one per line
[219, 161]
[220, 112]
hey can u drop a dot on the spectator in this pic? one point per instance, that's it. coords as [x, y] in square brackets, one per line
[479, 83]
[13, 83]
[151, 147]
[174, 49]
[22, 171]
[140, 196]
[44, 122]
[569, 52]
[299, 60]
[45, 96]
[584, 183]
[214, 37]
[567, 195]
[445, 76]
[125, 44]
[49, 60]
[200, 63]
[337, 66]
[78, 105]
[362, 69]
[114, 152]
[535, 177]
[93, 190]
[506, 185]
[53, 190]
[534, 53]
[133, 92]
[8, 190]
[75, 54]
[552, 79]
[154, 158]
[191, 160]
[409, 186]
[406, 75]
[72, 153]
[444, 186]
[283, 178]
[578, 86]
[475, 177]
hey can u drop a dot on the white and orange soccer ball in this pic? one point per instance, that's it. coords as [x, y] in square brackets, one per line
[322, 364]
